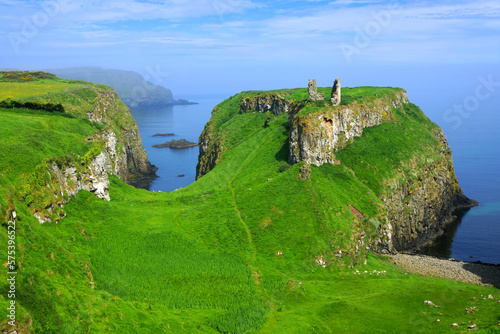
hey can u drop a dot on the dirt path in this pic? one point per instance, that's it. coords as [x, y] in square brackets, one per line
[233, 192]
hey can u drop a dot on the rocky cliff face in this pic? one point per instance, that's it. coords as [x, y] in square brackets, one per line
[315, 136]
[210, 151]
[130, 160]
[268, 102]
[68, 180]
[117, 149]
[421, 204]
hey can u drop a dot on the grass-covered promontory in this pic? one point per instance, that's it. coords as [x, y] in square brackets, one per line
[248, 248]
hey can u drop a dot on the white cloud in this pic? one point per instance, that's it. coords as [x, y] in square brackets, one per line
[434, 32]
[98, 11]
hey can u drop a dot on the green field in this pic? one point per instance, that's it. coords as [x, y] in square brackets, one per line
[236, 251]
[14, 90]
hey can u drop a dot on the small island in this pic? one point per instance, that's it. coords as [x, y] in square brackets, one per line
[181, 143]
[181, 102]
[163, 134]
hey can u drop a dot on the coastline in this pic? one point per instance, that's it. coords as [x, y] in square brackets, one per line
[463, 206]
[467, 272]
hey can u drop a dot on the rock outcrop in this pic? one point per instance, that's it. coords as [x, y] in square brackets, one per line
[312, 89]
[131, 162]
[421, 205]
[117, 148]
[102, 105]
[69, 180]
[336, 92]
[210, 151]
[315, 136]
[267, 102]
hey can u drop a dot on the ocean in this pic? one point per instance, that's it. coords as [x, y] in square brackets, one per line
[185, 122]
[474, 140]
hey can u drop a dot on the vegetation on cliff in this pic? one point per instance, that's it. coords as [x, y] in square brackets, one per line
[249, 247]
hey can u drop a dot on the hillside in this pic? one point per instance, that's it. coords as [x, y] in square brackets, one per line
[259, 243]
[111, 145]
[131, 87]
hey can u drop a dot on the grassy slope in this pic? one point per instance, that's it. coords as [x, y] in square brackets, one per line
[204, 258]
[14, 90]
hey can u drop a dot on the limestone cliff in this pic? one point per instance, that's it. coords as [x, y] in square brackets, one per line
[422, 202]
[116, 148]
[101, 104]
[315, 136]
[211, 146]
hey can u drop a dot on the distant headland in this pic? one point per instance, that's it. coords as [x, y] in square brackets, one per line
[135, 91]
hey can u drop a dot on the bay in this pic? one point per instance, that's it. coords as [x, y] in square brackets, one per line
[185, 122]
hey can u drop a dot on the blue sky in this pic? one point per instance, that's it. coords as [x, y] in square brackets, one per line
[225, 46]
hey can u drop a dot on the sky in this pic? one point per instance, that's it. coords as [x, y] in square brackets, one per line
[202, 47]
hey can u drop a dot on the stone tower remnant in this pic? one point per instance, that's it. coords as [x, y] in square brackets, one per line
[312, 88]
[336, 93]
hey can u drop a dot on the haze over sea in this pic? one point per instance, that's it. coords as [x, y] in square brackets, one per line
[474, 142]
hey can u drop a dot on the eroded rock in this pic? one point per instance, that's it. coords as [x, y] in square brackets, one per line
[315, 137]
[336, 92]
[312, 88]
[267, 102]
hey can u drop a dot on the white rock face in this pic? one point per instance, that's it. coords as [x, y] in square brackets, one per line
[111, 149]
[95, 178]
[315, 138]
[267, 102]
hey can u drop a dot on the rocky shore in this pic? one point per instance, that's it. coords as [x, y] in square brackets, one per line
[467, 272]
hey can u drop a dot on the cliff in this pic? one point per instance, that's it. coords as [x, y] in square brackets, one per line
[422, 201]
[418, 190]
[115, 145]
[317, 132]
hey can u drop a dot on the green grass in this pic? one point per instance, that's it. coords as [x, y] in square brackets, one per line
[392, 149]
[236, 251]
[15, 90]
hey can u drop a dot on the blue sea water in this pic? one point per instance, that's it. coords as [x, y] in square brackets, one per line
[185, 122]
[475, 143]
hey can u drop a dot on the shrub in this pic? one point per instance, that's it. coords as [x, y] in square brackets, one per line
[283, 168]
